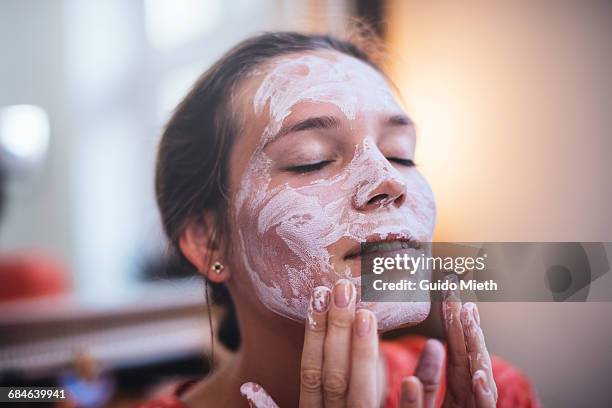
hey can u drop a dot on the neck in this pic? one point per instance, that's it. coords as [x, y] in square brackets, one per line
[270, 355]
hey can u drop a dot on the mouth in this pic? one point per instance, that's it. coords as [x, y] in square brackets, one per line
[382, 244]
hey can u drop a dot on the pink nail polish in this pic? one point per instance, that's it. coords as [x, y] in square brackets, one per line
[343, 293]
[362, 323]
[321, 296]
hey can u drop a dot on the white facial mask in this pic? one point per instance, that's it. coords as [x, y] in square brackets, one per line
[285, 232]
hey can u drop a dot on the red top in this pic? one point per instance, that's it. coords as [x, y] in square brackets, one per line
[401, 355]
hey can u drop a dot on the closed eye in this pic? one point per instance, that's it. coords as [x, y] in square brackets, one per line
[308, 168]
[403, 162]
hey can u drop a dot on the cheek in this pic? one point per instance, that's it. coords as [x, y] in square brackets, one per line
[283, 241]
[421, 204]
[296, 224]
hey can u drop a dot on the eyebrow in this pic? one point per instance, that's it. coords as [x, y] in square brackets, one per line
[317, 122]
[332, 122]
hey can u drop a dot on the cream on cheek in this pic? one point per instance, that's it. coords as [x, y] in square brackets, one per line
[285, 233]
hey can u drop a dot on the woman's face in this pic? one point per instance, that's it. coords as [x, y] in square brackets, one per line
[323, 162]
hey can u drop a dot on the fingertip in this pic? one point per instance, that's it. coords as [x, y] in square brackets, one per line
[247, 387]
[434, 344]
[372, 314]
[316, 315]
[320, 299]
[344, 294]
[433, 352]
[411, 389]
[364, 323]
[257, 396]
[366, 314]
[430, 365]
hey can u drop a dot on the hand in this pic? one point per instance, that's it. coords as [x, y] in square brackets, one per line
[339, 357]
[469, 375]
[334, 342]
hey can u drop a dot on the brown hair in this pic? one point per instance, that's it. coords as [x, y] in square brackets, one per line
[192, 161]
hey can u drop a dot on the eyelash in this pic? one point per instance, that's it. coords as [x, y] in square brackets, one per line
[403, 162]
[308, 168]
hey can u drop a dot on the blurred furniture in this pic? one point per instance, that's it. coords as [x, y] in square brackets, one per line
[31, 275]
[159, 332]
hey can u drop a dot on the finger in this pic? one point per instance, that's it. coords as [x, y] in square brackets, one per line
[458, 370]
[411, 393]
[429, 371]
[257, 396]
[311, 392]
[478, 355]
[483, 394]
[337, 348]
[364, 358]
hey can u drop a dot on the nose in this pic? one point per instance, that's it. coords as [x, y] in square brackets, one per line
[387, 192]
[377, 183]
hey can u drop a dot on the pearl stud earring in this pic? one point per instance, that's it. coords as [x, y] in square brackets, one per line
[217, 267]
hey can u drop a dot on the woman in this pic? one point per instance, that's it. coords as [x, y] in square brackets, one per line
[286, 155]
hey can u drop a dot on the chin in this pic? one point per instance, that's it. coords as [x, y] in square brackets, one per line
[393, 315]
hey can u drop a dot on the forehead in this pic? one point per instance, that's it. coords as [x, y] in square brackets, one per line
[317, 76]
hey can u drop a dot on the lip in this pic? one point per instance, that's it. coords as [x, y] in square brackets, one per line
[355, 251]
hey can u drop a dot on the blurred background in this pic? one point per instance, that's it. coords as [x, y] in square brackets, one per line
[512, 101]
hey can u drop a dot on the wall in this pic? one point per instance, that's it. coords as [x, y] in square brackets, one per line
[512, 101]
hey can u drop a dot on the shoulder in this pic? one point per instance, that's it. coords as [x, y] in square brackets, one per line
[401, 357]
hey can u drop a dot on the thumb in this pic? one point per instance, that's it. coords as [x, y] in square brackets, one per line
[257, 396]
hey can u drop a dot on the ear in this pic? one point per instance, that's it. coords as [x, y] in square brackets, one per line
[195, 244]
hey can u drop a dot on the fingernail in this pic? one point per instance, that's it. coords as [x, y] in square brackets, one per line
[409, 390]
[320, 299]
[481, 381]
[247, 390]
[256, 395]
[476, 315]
[343, 292]
[362, 323]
